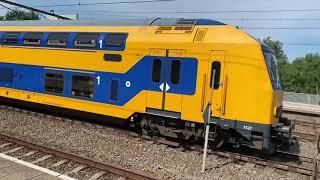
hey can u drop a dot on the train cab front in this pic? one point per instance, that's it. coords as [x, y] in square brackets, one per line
[281, 127]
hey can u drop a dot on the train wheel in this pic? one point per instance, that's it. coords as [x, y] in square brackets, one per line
[218, 139]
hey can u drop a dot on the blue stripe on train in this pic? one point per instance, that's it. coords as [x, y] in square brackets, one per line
[139, 77]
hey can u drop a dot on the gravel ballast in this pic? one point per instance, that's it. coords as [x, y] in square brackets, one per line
[114, 146]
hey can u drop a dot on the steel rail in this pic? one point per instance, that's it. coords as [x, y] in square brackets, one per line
[81, 160]
[275, 164]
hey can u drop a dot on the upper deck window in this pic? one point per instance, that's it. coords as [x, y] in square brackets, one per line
[86, 40]
[32, 38]
[115, 39]
[10, 38]
[57, 39]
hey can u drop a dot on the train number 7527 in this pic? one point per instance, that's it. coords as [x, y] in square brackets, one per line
[249, 128]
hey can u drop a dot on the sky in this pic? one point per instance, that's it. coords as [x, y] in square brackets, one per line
[290, 27]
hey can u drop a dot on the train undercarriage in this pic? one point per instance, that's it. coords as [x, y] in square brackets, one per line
[267, 140]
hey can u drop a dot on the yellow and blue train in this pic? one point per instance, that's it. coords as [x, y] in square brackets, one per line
[157, 74]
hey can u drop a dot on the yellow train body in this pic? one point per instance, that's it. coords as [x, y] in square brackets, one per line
[245, 92]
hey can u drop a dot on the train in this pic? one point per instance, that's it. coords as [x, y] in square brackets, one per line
[162, 76]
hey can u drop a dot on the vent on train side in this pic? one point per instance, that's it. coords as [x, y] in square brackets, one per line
[187, 22]
[181, 26]
[165, 28]
[201, 33]
[114, 90]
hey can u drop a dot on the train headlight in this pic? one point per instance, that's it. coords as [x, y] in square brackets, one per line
[277, 112]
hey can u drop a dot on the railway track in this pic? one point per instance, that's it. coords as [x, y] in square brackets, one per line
[74, 165]
[283, 161]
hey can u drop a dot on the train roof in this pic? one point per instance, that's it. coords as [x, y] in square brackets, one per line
[115, 22]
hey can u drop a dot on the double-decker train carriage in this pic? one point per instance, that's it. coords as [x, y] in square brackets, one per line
[157, 74]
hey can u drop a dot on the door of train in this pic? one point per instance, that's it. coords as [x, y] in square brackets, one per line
[217, 74]
[165, 84]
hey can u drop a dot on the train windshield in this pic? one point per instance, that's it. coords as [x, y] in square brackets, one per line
[271, 62]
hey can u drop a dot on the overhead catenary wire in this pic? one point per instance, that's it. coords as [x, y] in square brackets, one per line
[100, 3]
[10, 9]
[33, 9]
[6, 7]
[192, 12]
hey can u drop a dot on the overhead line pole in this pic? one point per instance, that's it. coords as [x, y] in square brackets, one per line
[35, 9]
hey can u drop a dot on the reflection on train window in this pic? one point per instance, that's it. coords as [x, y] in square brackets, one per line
[82, 86]
[115, 39]
[32, 38]
[175, 72]
[54, 83]
[156, 70]
[10, 38]
[83, 40]
[57, 39]
[217, 67]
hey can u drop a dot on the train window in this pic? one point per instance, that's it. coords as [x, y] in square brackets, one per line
[217, 67]
[271, 60]
[113, 57]
[54, 83]
[6, 75]
[32, 38]
[82, 86]
[175, 72]
[57, 39]
[156, 70]
[83, 40]
[115, 39]
[114, 90]
[10, 38]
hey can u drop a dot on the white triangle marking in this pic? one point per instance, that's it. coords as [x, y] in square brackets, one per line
[167, 87]
[161, 87]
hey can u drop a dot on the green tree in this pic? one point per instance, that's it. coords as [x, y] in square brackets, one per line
[17, 14]
[305, 74]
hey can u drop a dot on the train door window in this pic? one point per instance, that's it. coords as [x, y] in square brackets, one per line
[32, 38]
[54, 83]
[156, 70]
[6, 75]
[10, 38]
[86, 40]
[175, 72]
[115, 39]
[217, 67]
[57, 39]
[114, 90]
[82, 86]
